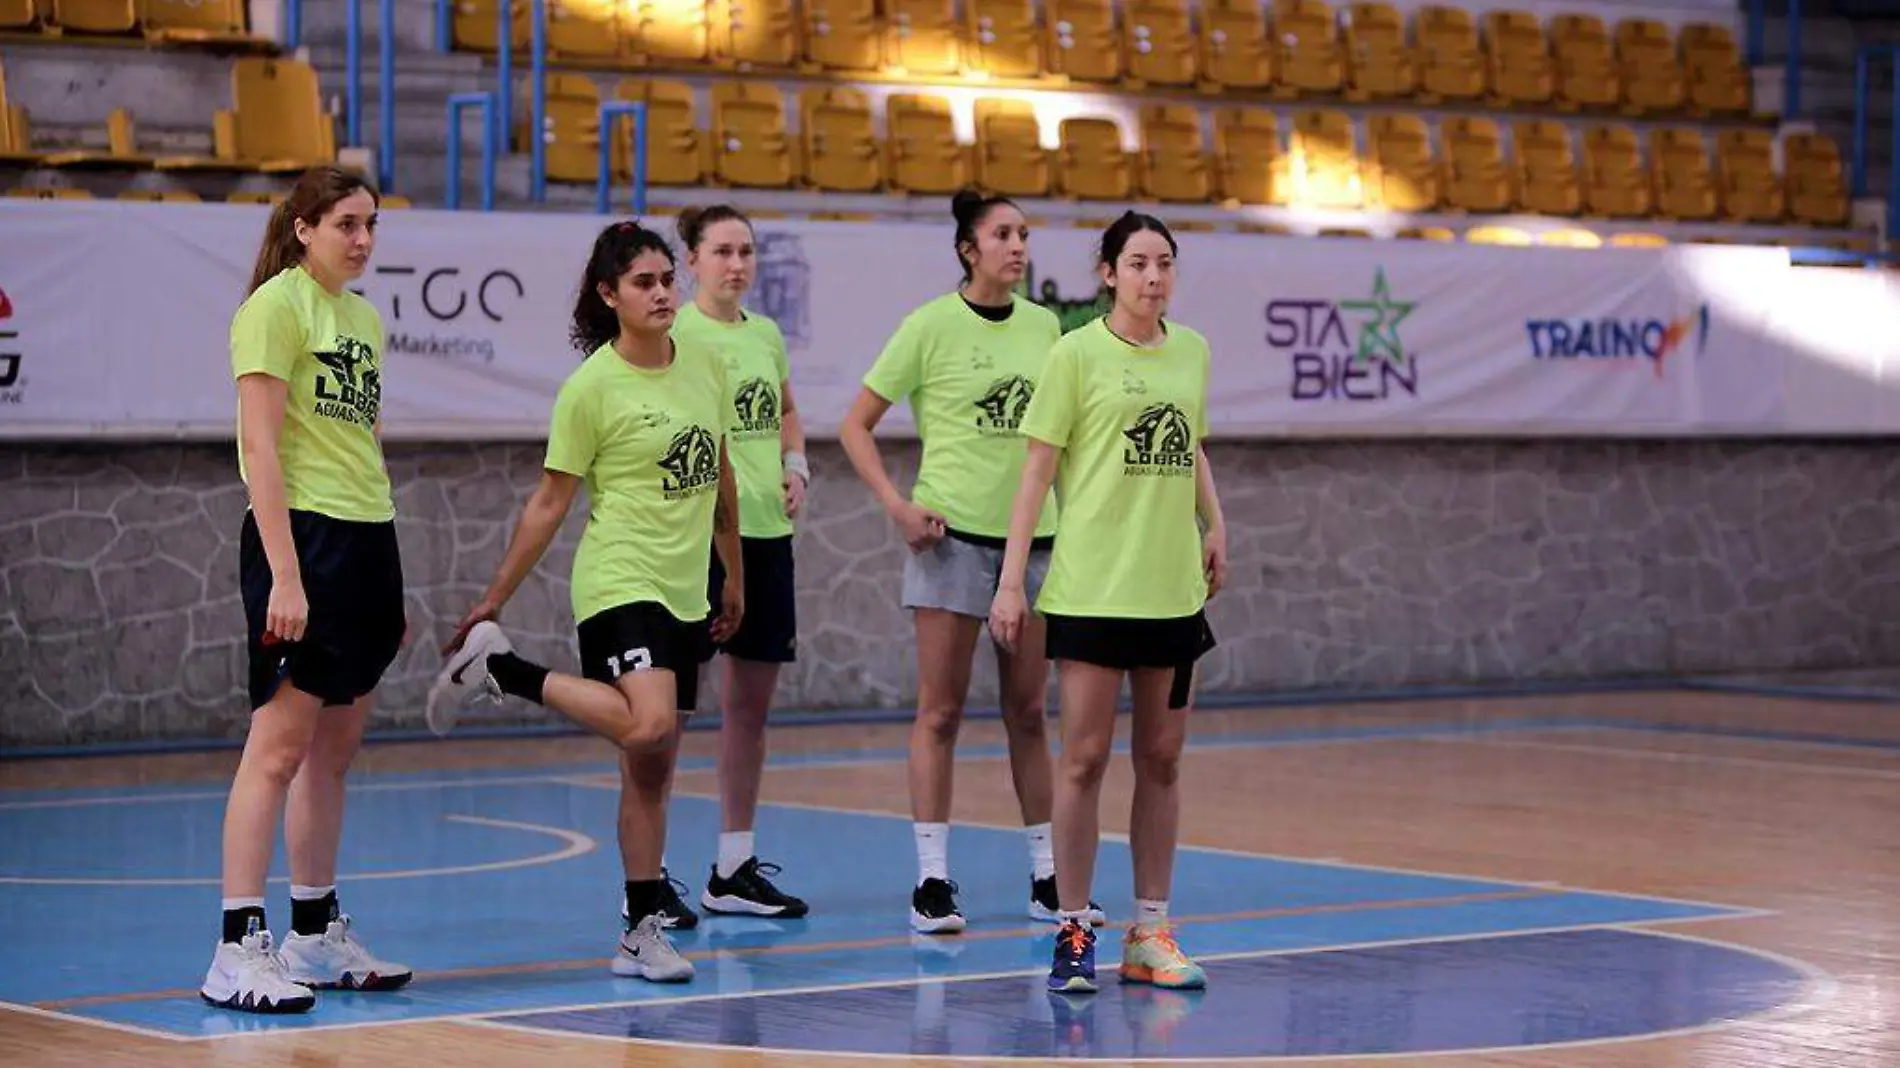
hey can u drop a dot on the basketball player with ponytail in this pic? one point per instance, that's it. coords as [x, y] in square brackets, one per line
[642, 423]
[322, 587]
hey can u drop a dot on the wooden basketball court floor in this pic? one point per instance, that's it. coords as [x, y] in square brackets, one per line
[1659, 879]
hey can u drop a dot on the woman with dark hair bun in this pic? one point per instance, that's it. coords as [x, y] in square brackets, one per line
[967, 363]
[1117, 428]
[642, 423]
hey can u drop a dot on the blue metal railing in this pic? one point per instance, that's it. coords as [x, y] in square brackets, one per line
[293, 24]
[353, 72]
[1863, 92]
[538, 89]
[610, 113]
[485, 104]
[386, 93]
[1755, 50]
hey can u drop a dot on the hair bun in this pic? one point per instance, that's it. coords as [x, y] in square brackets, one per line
[965, 205]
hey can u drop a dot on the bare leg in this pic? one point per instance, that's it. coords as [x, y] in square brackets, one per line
[646, 776]
[313, 817]
[748, 698]
[1160, 733]
[274, 750]
[1024, 677]
[945, 643]
[1088, 734]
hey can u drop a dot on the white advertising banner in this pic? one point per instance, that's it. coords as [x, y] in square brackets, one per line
[115, 316]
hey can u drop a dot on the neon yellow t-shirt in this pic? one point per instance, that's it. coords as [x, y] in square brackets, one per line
[968, 381]
[328, 347]
[647, 444]
[1128, 421]
[753, 352]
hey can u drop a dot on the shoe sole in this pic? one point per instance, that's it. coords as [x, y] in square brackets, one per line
[739, 906]
[289, 1007]
[370, 984]
[1075, 984]
[1096, 917]
[923, 924]
[1146, 976]
[626, 968]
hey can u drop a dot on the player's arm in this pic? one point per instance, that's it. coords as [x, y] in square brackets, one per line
[540, 521]
[1214, 524]
[262, 401]
[1011, 605]
[791, 443]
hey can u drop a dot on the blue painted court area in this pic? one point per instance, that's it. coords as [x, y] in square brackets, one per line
[502, 890]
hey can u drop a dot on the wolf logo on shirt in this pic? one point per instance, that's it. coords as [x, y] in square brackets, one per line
[1160, 442]
[756, 405]
[1002, 404]
[691, 464]
[350, 392]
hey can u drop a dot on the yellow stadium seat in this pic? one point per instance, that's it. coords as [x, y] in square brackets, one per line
[392, 202]
[755, 34]
[213, 22]
[1569, 238]
[1158, 36]
[840, 141]
[95, 16]
[750, 146]
[16, 136]
[678, 151]
[669, 32]
[1679, 172]
[1637, 239]
[1003, 40]
[161, 196]
[1476, 178]
[1650, 67]
[1517, 59]
[1427, 233]
[254, 196]
[1309, 58]
[1234, 50]
[1717, 83]
[1745, 171]
[842, 34]
[588, 30]
[1586, 63]
[1091, 163]
[1401, 174]
[922, 36]
[281, 125]
[572, 132]
[1547, 179]
[18, 15]
[1613, 173]
[475, 26]
[47, 193]
[1499, 235]
[1325, 161]
[1010, 158]
[1175, 165]
[1817, 190]
[1083, 42]
[1379, 62]
[1253, 169]
[921, 143]
[1450, 63]
[121, 151]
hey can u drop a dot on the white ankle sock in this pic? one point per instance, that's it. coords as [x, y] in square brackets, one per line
[232, 904]
[735, 848]
[311, 893]
[933, 850]
[1042, 851]
[1151, 914]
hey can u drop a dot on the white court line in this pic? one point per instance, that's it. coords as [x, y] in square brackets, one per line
[541, 778]
[1678, 757]
[574, 844]
[1820, 988]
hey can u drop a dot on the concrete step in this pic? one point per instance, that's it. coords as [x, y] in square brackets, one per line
[76, 85]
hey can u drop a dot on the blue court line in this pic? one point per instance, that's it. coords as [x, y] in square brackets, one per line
[1843, 694]
[1841, 741]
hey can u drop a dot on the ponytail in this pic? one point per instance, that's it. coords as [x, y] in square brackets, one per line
[281, 249]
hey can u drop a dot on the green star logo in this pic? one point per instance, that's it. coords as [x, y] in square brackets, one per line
[1379, 335]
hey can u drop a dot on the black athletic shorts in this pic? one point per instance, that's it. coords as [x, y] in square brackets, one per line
[1127, 644]
[644, 636]
[352, 581]
[768, 632]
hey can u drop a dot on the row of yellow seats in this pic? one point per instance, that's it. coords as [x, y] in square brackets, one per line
[182, 22]
[1363, 51]
[837, 148]
[276, 126]
[171, 196]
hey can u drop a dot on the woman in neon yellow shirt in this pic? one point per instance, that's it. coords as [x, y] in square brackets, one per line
[642, 423]
[321, 578]
[967, 362]
[767, 443]
[1117, 426]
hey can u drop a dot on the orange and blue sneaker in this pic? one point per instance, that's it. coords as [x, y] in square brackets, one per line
[1151, 955]
[1074, 969]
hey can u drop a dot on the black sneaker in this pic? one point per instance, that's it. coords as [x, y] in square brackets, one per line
[749, 892]
[1044, 904]
[673, 908]
[933, 908]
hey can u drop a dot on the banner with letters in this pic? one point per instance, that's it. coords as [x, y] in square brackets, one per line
[114, 321]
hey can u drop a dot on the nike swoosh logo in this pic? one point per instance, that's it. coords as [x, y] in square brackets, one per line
[456, 676]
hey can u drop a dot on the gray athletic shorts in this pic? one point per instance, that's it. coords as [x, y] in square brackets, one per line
[961, 577]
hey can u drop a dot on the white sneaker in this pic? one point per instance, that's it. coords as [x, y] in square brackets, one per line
[465, 677]
[646, 953]
[249, 976]
[334, 959]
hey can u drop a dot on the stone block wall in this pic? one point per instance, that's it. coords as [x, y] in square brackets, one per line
[1355, 565]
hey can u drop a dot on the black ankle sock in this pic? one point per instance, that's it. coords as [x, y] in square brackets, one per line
[517, 677]
[313, 917]
[643, 898]
[240, 922]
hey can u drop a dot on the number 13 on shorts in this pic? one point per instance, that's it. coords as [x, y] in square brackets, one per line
[631, 660]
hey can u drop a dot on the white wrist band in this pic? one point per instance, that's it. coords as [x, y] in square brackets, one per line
[795, 462]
